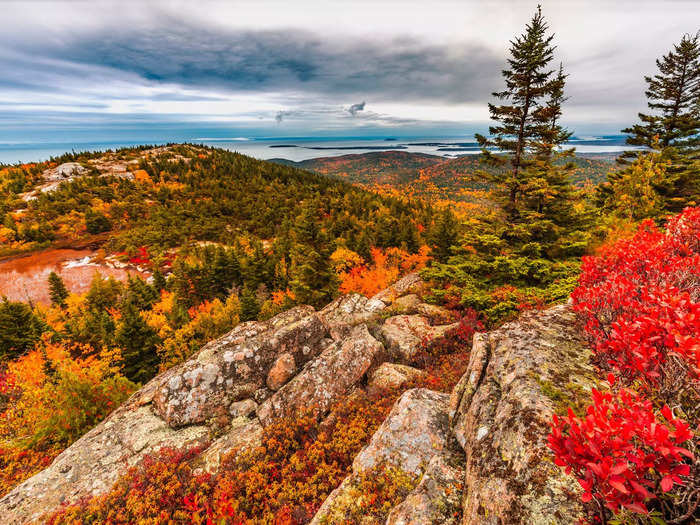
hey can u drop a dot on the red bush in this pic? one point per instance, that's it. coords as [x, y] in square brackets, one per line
[620, 452]
[639, 302]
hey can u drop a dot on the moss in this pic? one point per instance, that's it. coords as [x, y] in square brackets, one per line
[572, 395]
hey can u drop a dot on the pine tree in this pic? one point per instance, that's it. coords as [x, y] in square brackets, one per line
[250, 307]
[444, 235]
[528, 128]
[672, 130]
[138, 342]
[57, 290]
[159, 282]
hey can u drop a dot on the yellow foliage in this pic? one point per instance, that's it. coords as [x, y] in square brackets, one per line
[208, 321]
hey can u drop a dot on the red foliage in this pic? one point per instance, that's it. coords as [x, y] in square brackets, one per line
[620, 452]
[639, 302]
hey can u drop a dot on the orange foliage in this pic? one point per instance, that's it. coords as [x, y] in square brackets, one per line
[52, 398]
[389, 265]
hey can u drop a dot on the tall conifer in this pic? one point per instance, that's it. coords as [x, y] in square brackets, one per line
[528, 119]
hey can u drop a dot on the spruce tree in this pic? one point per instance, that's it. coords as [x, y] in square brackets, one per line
[673, 94]
[671, 131]
[444, 235]
[138, 342]
[159, 282]
[57, 290]
[528, 128]
[313, 280]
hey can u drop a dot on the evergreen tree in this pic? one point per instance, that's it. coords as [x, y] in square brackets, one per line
[19, 328]
[138, 343]
[57, 290]
[159, 282]
[444, 235]
[250, 308]
[528, 128]
[673, 94]
[528, 248]
[313, 279]
[672, 130]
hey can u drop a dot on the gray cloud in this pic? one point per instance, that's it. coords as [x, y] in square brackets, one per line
[356, 107]
[403, 68]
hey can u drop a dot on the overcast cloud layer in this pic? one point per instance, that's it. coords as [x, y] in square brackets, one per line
[303, 67]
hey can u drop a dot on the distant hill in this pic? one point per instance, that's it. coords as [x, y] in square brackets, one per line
[420, 174]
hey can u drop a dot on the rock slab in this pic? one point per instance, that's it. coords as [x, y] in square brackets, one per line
[500, 413]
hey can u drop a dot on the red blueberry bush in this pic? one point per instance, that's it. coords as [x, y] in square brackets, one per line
[639, 302]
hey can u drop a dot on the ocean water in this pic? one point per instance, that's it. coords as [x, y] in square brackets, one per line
[298, 148]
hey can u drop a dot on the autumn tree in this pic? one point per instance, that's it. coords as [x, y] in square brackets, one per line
[57, 290]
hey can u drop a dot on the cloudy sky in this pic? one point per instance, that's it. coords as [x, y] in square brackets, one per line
[303, 68]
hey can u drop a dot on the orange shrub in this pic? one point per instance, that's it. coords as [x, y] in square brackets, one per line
[388, 266]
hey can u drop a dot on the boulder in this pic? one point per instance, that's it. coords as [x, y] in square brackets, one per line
[410, 283]
[242, 408]
[347, 311]
[406, 304]
[500, 412]
[244, 434]
[391, 376]
[437, 499]
[415, 432]
[436, 314]
[325, 379]
[405, 334]
[282, 371]
[237, 365]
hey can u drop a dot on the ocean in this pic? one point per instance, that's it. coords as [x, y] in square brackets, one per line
[300, 148]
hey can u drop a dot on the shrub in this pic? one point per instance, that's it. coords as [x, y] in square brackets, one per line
[639, 302]
[621, 453]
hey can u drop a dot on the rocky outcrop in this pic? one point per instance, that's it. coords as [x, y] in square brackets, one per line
[477, 456]
[438, 496]
[390, 376]
[222, 398]
[93, 463]
[500, 412]
[236, 366]
[325, 380]
[415, 439]
[406, 334]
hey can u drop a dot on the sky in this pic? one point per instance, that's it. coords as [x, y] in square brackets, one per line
[86, 69]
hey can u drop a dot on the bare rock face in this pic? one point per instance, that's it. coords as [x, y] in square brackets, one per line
[236, 366]
[404, 335]
[415, 433]
[325, 380]
[347, 311]
[244, 434]
[93, 463]
[500, 412]
[393, 375]
[437, 499]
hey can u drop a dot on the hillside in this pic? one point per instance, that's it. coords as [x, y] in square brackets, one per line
[430, 176]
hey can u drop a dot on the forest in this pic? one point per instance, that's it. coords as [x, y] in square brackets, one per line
[226, 239]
